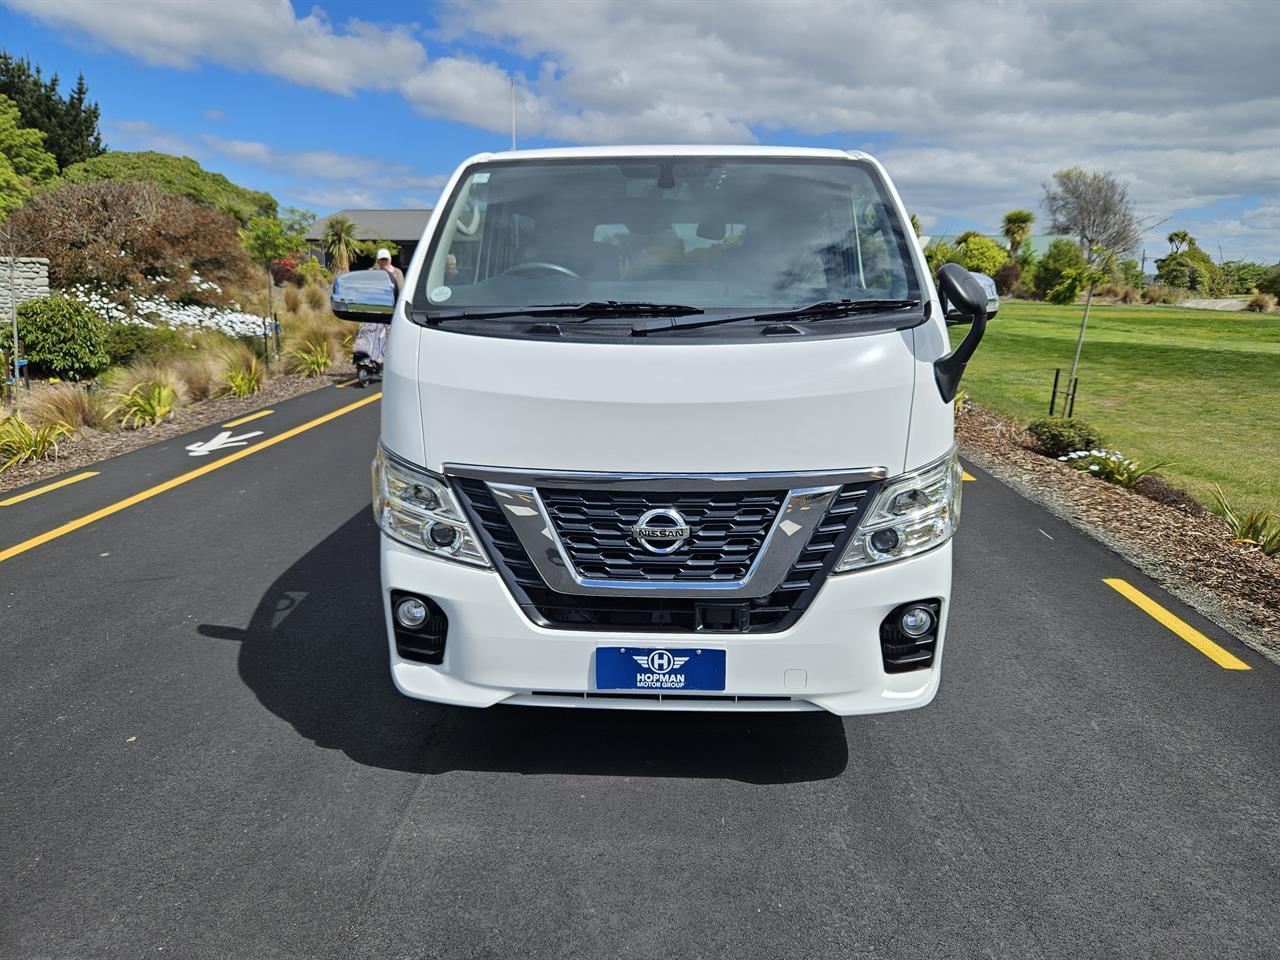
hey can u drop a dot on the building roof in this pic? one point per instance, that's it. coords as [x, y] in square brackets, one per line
[401, 226]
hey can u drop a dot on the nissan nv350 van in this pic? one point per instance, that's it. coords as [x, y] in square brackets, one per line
[668, 428]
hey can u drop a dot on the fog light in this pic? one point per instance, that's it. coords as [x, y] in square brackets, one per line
[411, 613]
[916, 621]
[442, 535]
[885, 541]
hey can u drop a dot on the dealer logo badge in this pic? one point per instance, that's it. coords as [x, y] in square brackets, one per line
[660, 661]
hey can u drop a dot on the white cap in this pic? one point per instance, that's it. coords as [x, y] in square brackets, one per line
[383, 254]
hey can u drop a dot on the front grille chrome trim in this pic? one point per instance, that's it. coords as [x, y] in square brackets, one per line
[801, 512]
[666, 482]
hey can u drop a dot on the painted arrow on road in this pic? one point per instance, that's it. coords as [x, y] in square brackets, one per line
[220, 442]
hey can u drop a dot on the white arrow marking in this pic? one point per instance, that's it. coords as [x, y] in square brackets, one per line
[224, 439]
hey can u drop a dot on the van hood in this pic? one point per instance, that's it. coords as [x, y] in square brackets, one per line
[636, 407]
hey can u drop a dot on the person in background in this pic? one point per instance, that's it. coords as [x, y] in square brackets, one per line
[450, 269]
[384, 263]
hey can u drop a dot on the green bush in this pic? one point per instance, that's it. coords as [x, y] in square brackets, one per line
[1260, 303]
[1058, 436]
[128, 342]
[20, 442]
[146, 404]
[63, 338]
[982, 254]
[1051, 269]
[1111, 466]
[1270, 283]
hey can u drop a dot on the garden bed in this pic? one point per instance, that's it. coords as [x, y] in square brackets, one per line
[93, 446]
[1160, 530]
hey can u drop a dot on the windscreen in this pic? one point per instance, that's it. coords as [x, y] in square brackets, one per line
[718, 232]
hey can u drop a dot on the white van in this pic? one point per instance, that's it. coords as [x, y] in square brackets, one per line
[668, 428]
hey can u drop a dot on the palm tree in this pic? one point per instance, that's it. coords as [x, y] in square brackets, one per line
[340, 242]
[1016, 228]
[1179, 239]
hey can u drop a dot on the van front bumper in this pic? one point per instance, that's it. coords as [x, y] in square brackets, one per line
[830, 659]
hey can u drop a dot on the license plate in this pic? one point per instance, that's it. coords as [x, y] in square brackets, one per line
[659, 668]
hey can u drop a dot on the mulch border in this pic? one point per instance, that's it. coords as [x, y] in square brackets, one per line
[1177, 543]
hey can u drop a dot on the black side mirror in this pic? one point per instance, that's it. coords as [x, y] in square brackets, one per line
[365, 296]
[965, 296]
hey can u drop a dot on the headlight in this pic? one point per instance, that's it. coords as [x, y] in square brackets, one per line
[911, 514]
[419, 509]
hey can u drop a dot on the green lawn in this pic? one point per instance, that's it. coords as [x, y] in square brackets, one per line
[1199, 387]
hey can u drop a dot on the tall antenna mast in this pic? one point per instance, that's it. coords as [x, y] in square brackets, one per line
[513, 112]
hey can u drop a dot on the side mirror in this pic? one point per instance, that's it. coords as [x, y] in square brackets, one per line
[954, 316]
[964, 294]
[365, 296]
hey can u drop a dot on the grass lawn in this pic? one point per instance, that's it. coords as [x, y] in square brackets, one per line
[1199, 387]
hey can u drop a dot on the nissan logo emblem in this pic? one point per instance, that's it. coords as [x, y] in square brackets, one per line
[662, 530]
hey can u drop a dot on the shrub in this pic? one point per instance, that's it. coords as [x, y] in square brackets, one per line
[1111, 466]
[292, 298]
[311, 360]
[21, 443]
[63, 337]
[146, 404]
[1258, 528]
[1106, 290]
[129, 342]
[316, 296]
[199, 375]
[129, 238]
[1260, 303]
[1006, 278]
[1051, 269]
[1270, 282]
[1130, 295]
[982, 254]
[311, 271]
[1161, 293]
[242, 375]
[1058, 436]
[938, 254]
[72, 404]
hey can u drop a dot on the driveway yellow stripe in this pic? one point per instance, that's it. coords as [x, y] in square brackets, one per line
[47, 487]
[347, 383]
[160, 488]
[1223, 658]
[253, 416]
[966, 475]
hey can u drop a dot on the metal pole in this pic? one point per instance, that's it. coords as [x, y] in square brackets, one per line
[1053, 397]
[1071, 410]
[13, 306]
[513, 112]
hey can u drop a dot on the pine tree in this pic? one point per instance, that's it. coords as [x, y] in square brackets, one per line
[70, 125]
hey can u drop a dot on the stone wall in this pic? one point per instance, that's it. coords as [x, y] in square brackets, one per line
[30, 280]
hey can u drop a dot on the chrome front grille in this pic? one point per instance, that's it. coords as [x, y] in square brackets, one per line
[711, 591]
[728, 530]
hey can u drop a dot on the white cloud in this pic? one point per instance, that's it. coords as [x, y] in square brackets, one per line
[214, 115]
[971, 105]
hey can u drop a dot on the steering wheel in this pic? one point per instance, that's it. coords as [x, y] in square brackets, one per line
[540, 265]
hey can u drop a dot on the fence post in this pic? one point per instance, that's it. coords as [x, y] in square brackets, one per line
[1053, 397]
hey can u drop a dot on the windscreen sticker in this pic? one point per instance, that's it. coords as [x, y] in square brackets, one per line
[441, 294]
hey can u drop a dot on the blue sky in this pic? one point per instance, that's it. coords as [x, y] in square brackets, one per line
[343, 105]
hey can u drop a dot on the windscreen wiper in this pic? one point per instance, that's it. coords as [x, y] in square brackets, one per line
[813, 311]
[587, 311]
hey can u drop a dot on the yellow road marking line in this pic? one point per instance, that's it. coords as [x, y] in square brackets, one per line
[966, 475]
[347, 383]
[160, 488]
[252, 416]
[47, 487]
[1223, 658]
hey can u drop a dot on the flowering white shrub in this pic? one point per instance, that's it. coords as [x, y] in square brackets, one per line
[143, 310]
[1111, 465]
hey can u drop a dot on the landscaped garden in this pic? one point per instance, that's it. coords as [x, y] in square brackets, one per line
[1200, 388]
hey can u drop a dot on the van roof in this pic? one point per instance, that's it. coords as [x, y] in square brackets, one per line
[670, 150]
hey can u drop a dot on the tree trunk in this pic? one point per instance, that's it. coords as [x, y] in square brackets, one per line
[1084, 322]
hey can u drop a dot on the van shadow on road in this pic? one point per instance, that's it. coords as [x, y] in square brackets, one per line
[315, 654]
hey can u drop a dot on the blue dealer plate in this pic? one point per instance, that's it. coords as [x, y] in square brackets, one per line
[659, 668]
